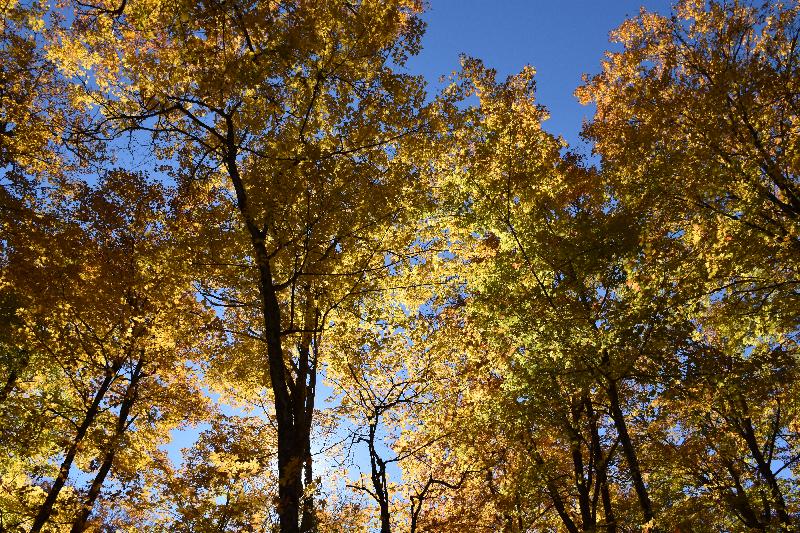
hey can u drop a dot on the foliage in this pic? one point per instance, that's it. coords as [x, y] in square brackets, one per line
[209, 210]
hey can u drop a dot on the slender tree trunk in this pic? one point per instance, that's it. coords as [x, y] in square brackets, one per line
[629, 451]
[305, 405]
[292, 396]
[578, 467]
[555, 497]
[601, 469]
[764, 468]
[740, 502]
[605, 496]
[584, 501]
[113, 445]
[378, 476]
[63, 472]
[609, 519]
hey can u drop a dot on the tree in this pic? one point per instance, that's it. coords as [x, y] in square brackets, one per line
[28, 87]
[108, 314]
[298, 109]
[580, 310]
[383, 381]
[696, 121]
[224, 483]
[695, 124]
[517, 338]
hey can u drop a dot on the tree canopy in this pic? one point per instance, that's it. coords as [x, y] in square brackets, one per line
[256, 276]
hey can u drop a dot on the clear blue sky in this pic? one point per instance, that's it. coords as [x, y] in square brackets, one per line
[562, 39]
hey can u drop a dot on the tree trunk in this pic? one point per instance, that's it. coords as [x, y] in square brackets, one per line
[305, 406]
[555, 496]
[63, 472]
[108, 459]
[605, 496]
[600, 464]
[292, 396]
[378, 476]
[293, 439]
[764, 469]
[308, 523]
[578, 467]
[629, 451]
[739, 501]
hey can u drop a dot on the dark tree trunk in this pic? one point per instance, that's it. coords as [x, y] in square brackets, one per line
[605, 496]
[308, 523]
[582, 478]
[63, 472]
[600, 468]
[113, 445]
[555, 497]
[764, 469]
[293, 437]
[600, 462]
[739, 501]
[294, 398]
[629, 451]
[305, 406]
[378, 476]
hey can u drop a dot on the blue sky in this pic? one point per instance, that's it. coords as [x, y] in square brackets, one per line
[561, 39]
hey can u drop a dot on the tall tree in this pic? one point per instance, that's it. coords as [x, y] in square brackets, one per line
[696, 125]
[298, 107]
[696, 122]
[109, 316]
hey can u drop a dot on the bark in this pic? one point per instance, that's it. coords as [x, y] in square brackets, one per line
[739, 502]
[378, 476]
[555, 497]
[764, 469]
[108, 458]
[308, 522]
[629, 451]
[605, 496]
[584, 503]
[293, 438]
[600, 463]
[308, 359]
[578, 467]
[294, 398]
[63, 472]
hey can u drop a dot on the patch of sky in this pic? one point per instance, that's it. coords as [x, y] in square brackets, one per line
[718, 295]
[521, 32]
